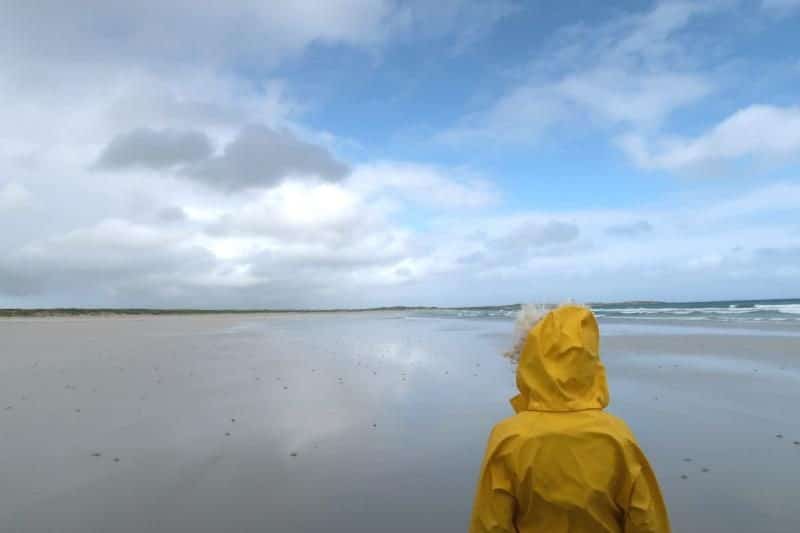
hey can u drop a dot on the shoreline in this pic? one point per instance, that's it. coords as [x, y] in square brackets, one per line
[10, 312]
[643, 324]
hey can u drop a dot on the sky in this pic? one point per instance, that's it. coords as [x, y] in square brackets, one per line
[354, 153]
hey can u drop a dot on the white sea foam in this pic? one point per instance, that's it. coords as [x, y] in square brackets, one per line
[792, 309]
[787, 311]
[758, 312]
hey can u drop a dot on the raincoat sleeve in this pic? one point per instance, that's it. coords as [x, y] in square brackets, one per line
[494, 506]
[646, 511]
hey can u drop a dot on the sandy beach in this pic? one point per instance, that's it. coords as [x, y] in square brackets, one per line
[362, 422]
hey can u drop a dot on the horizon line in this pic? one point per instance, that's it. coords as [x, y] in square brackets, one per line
[6, 311]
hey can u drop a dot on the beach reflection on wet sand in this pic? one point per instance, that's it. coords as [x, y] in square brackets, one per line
[359, 422]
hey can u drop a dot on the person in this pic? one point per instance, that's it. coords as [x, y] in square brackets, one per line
[561, 463]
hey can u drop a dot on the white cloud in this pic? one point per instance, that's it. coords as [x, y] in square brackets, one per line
[466, 21]
[375, 231]
[632, 71]
[630, 229]
[637, 99]
[774, 198]
[780, 5]
[332, 244]
[424, 185]
[763, 132]
[13, 196]
[296, 210]
[521, 115]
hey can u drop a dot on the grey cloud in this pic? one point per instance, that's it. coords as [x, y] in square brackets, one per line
[166, 31]
[171, 214]
[134, 263]
[310, 274]
[154, 149]
[347, 260]
[788, 255]
[17, 281]
[529, 240]
[537, 235]
[258, 157]
[162, 31]
[633, 229]
[261, 156]
[100, 260]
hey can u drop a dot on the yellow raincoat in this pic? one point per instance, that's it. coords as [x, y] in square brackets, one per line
[562, 464]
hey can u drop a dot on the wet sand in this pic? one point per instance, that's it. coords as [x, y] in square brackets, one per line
[361, 422]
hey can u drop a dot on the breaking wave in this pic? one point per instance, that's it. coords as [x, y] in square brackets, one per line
[736, 310]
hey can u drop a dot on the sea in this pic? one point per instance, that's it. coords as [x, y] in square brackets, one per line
[786, 310]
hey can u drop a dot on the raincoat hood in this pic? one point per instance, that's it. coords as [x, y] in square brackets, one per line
[559, 367]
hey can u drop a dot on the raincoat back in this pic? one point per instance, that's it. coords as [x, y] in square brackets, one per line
[562, 464]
